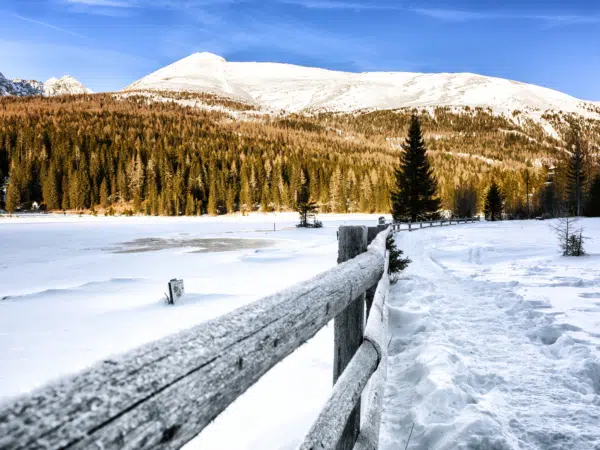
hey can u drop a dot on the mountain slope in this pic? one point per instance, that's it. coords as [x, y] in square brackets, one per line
[66, 85]
[291, 88]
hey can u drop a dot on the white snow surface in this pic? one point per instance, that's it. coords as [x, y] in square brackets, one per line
[291, 88]
[494, 335]
[67, 301]
[495, 341]
[66, 85]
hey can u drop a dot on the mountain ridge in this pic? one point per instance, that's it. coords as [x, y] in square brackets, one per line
[66, 85]
[292, 88]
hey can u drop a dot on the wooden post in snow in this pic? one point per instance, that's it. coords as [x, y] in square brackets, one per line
[348, 326]
[372, 233]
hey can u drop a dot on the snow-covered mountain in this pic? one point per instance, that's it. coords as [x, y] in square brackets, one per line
[291, 88]
[64, 86]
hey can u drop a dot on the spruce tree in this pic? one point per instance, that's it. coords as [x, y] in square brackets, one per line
[494, 203]
[306, 208]
[50, 190]
[575, 174]
[13, 196]
[415, 195]
[396, 262]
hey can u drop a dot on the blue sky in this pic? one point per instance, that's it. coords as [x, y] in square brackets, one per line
[108, 44]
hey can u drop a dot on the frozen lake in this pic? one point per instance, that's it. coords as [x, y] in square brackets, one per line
[75, 290]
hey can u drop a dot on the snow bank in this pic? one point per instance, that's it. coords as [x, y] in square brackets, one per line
[494, 341]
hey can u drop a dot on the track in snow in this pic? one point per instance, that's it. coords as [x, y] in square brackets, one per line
[477, 363]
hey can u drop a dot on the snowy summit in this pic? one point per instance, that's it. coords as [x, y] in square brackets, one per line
[66, 85]
[292, 88]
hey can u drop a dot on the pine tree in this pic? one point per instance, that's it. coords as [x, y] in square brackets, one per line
[465, 201]
[306, 208]
[494, 203]
[396, 262]
[212, 199]
[593, 200]
[13, 196]
[104, 194]
[65, 203]
[415, 195]
[575, 174]
[50, 190]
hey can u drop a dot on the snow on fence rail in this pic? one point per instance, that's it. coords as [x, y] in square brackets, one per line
[164, 393]
[411, 226]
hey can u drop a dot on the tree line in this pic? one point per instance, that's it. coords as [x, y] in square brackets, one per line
[164, 159]
[142, 156]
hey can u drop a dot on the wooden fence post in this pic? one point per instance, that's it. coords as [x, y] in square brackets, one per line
[348, 326]
[372, 233]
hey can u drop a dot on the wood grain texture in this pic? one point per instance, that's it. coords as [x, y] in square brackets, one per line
[164, 393]
[376, 332]
[348, 326]
[327, 430]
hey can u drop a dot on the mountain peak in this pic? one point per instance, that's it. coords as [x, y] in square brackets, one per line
[54, 86]
[291, 88]
[205, 56]
[64, 85]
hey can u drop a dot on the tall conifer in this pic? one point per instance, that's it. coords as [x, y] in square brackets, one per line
[415, 195]
[494, 203]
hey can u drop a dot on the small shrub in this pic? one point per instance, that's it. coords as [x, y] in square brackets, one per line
[570, 236]
[397, 264]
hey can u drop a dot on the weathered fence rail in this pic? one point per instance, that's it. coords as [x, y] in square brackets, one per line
[412, 226]
[164, 393]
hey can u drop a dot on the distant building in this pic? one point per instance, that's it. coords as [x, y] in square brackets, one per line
[35, 206]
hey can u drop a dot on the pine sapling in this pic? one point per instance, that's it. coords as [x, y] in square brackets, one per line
[397, 264]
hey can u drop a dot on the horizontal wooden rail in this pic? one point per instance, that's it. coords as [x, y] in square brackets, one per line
[376, 333]
[327, 430]
[369, 359]
[412, 226]
[164, 393]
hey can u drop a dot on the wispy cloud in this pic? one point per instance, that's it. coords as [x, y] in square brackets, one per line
[45, 24]
[104, 3]
[338, 5]
[550, 20]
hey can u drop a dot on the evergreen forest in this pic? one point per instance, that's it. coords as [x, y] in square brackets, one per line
[117, 153]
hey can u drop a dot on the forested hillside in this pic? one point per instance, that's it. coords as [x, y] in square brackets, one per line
[163, 158]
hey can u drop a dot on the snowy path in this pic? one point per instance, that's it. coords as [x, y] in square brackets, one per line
[479, 363]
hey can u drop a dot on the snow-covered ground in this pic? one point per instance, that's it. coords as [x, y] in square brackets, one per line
[74, 290]
[494, 335]
[495, 341]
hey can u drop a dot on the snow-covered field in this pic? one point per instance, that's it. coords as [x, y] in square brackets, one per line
[494, 335]
[495, 341]
[74, 290]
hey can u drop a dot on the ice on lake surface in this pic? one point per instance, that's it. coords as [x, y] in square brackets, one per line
[196, 245]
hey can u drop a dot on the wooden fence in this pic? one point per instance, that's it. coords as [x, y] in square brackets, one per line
[164, 393]
[412, 226]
